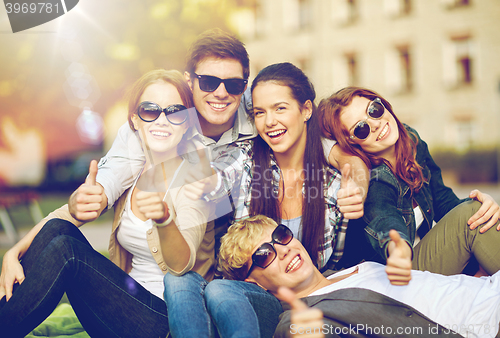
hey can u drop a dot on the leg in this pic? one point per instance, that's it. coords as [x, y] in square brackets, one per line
[185, 303]
[241, 309]
[447, 248]
[106, 300]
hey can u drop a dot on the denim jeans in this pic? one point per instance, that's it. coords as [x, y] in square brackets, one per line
[185, 303]
[107, 301]
[241, 309]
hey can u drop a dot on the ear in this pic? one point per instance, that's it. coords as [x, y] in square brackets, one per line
[307, 110]
[187, 77]
[135, 121]
[253, 281]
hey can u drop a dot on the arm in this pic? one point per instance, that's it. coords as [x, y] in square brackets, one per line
[302, 321]
[445, 199]
[86, 206]
[382, 214]
[351, 196]
[121, 165]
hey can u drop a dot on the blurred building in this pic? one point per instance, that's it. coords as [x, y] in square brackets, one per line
[436, 61]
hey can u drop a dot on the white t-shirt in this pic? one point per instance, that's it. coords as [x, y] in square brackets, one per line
[464, 304]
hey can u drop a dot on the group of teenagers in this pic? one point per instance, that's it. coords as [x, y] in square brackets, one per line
[230, 195]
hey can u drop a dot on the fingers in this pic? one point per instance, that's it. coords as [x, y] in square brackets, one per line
[346, 175]
[395, 237]
[487, 215]
[287, 295]
[91, 178]
[204, 163]
[151, 205]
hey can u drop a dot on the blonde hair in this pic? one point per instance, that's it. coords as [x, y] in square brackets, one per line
[238, 244]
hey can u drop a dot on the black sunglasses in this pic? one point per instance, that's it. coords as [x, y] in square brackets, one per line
[375, 111]
[266, 253]
[209, 83]
[149, 111]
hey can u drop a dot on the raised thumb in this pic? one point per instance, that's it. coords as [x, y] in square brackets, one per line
[90, 180]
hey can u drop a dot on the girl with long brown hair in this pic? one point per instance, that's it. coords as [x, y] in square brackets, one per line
[407, 193]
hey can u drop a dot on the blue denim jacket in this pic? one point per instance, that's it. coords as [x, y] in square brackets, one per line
[389, 204]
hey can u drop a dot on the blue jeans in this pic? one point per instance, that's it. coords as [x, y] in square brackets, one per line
[107, 301]
[241, 309]
[186, 305]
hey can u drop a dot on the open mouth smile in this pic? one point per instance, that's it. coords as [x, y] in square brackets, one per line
[276, 133]
[384, 132]
[294, 264]
[218, 105]
[160, 133]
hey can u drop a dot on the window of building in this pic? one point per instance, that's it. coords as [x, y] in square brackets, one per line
[345, 70]
[399, 75]
[344, 12]
[397, 8]
[466, 131]
[297, 15]
[458, 62]
[455, 3]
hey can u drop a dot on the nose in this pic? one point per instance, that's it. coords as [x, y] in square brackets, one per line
[270, 119]
[221, 91]
[374, 124]
[162, 119]
[281, 250]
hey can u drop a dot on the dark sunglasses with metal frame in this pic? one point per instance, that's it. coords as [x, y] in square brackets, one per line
[209, 83]
[266, 253]
[149, 111]
[375, 111]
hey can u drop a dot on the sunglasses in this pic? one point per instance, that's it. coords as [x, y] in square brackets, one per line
[149, 111]
[210, 83]
[375, 111]
[266, 253]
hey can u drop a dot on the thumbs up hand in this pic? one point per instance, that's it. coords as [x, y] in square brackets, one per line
[307, 321]
[398, 266]
[201, 179]
[349, 196]
[87, 202]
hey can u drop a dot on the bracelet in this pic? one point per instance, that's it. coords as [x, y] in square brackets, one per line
[167, 221]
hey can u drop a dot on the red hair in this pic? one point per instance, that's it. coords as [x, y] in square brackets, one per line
[330, 110]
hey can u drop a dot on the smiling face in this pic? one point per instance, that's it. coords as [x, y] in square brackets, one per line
[217, 109]
[384, 132]
[279, 118]
[292, 267]
[160, 136]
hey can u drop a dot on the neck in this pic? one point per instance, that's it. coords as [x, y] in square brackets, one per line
[317, 282]
[293, 158]
[215, 131]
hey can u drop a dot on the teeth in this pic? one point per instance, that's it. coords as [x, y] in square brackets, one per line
[276, 133]
[159, 133]
[219, 105]
[293, 264]
[384, 131]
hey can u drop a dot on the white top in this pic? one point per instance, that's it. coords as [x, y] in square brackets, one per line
[467, 305]
[419, 219]
[132, 236]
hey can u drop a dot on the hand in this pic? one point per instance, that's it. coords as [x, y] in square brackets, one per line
[152, 206]
[308, 321]
[349, 196]
[201, 179]
[12, 272]
[85, 204]
[398, 267]
[488, 214]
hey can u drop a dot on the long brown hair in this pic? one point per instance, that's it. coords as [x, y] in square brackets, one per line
[330, 110]
[263, 199]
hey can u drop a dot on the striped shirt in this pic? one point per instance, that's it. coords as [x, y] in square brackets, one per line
[234, 170]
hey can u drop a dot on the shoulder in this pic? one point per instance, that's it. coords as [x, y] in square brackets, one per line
[383, 173]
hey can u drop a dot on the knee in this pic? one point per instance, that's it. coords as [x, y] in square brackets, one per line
[57, 226]
[190, 281]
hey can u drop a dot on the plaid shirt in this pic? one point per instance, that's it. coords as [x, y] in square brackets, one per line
[234, 170]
